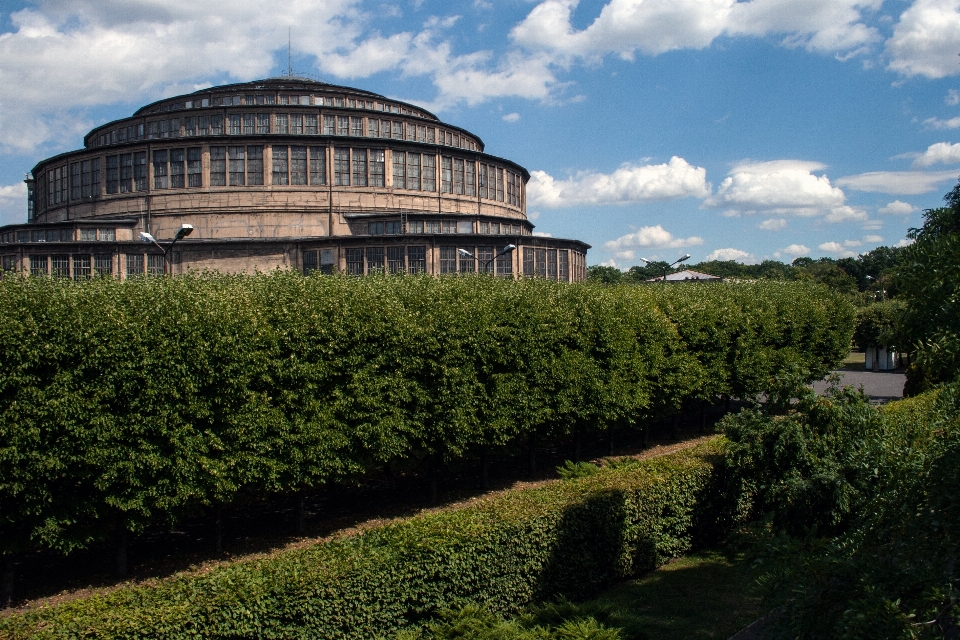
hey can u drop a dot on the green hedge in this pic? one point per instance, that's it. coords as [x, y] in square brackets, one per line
[125, 405]
[567, 538]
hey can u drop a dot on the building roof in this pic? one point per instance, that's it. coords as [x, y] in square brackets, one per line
[687, 274]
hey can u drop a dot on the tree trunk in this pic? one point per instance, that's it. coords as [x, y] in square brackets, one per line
[6, 581]
[532, 457]
[218, 529]
[576, 443]
[301, 513]
[122, 548]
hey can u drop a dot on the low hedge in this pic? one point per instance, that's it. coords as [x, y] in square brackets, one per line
[564, 539]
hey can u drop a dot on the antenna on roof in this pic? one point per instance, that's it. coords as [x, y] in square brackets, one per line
[289, 51]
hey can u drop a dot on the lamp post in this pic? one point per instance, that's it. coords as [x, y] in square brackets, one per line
[879, 281]
[182, 232]
[487, 263]
[683, 258]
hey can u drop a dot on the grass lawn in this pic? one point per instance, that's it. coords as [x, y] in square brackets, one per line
[707, 594]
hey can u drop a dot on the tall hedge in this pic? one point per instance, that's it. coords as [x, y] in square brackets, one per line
[568, 538]
[128, 404]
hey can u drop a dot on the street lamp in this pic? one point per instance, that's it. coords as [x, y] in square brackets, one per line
[682, 258]
[879, 281]
[182, 232]
[486, 263]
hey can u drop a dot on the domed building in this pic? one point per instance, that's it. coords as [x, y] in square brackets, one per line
[285, 172]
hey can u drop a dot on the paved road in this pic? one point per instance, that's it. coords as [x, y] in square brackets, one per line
[881, 386]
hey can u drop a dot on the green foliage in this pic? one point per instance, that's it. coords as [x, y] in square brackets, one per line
[125, 405]
[562, 540]
[477, 623]
[879, 325]
[866, 504]
[570, 470]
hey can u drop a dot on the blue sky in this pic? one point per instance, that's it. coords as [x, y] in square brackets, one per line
[652, 128]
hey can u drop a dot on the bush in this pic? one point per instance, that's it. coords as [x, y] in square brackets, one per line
[566, 539]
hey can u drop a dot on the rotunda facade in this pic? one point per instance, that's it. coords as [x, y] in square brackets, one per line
[284, 172]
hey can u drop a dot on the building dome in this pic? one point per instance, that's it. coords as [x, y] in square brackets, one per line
[285, 172]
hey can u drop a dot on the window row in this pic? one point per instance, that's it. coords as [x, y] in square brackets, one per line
[310, 124]
[291, 165]
[475, 260]
[399, 259]
[258, 99]
[83, 266]
[58, 235]
[395, 227]
[552, 264]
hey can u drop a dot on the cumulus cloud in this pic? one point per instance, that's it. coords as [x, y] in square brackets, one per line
[782, 187]
[840, 250]
[652, 27]
[795, 250]
[729, 253]
[13, 203]
[905, 242]
[924, 41]
[773, 224]
[897, 208]
[651, 237]
[628, 184]
[872, 239]
[542, 234]
[511, 117]
[897, 183]
[952, 98]
[937, 123]
[940, 152]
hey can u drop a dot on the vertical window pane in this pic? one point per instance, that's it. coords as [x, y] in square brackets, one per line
[413, 171]
[296, 124]
[417, 259]
[194, 167]
[355, 262]
[499, 176]
[563, 265]
[235, 124]
[505, 265]
[75, 181]
[448, 259]
[446, 174]
[309, 262]
[134, 264]
[238, 165]
[263, 123]
[528, 269]
[81, 267]
[318, 165]
[468, 263]
[155, 264]
[218, 166]
[396, 260]
[458, 176]
[356, 126]
[399, 170]
[329, 127]
[359, 167]
[126, 173]
[377, 168]
[160, 173]
[482, 181]
[38, 265]
[310, 124]
[429, 173]
[552, 264]
[60, 266]
[249, 123]
[341, 167]
[140, 171]
[485, 259]
[255, 165]
[469, 179]
[298, 165]
[281, 120]
[373, 128]
[280, 169]
[541, 262]
[343, 126]
[374, 259]
[397, 130]
[177, 168]
[103, 264]
[384, 128]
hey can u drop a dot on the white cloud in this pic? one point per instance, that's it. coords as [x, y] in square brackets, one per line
[837, 249]
[952, 98]
[656, 237]
[872, 239]
[730, 253]
[626, 255]
[13, 203]
[773, 224]
[782, 187]
[872, 225]
[628, 184]
[924, 41]
[846, 214]
[898, 183]
[795, 250]
[652, 27]
[942, 152]
[905, 242]
[937, 123]
[897, 208]
[511, 117]
[542, 234]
